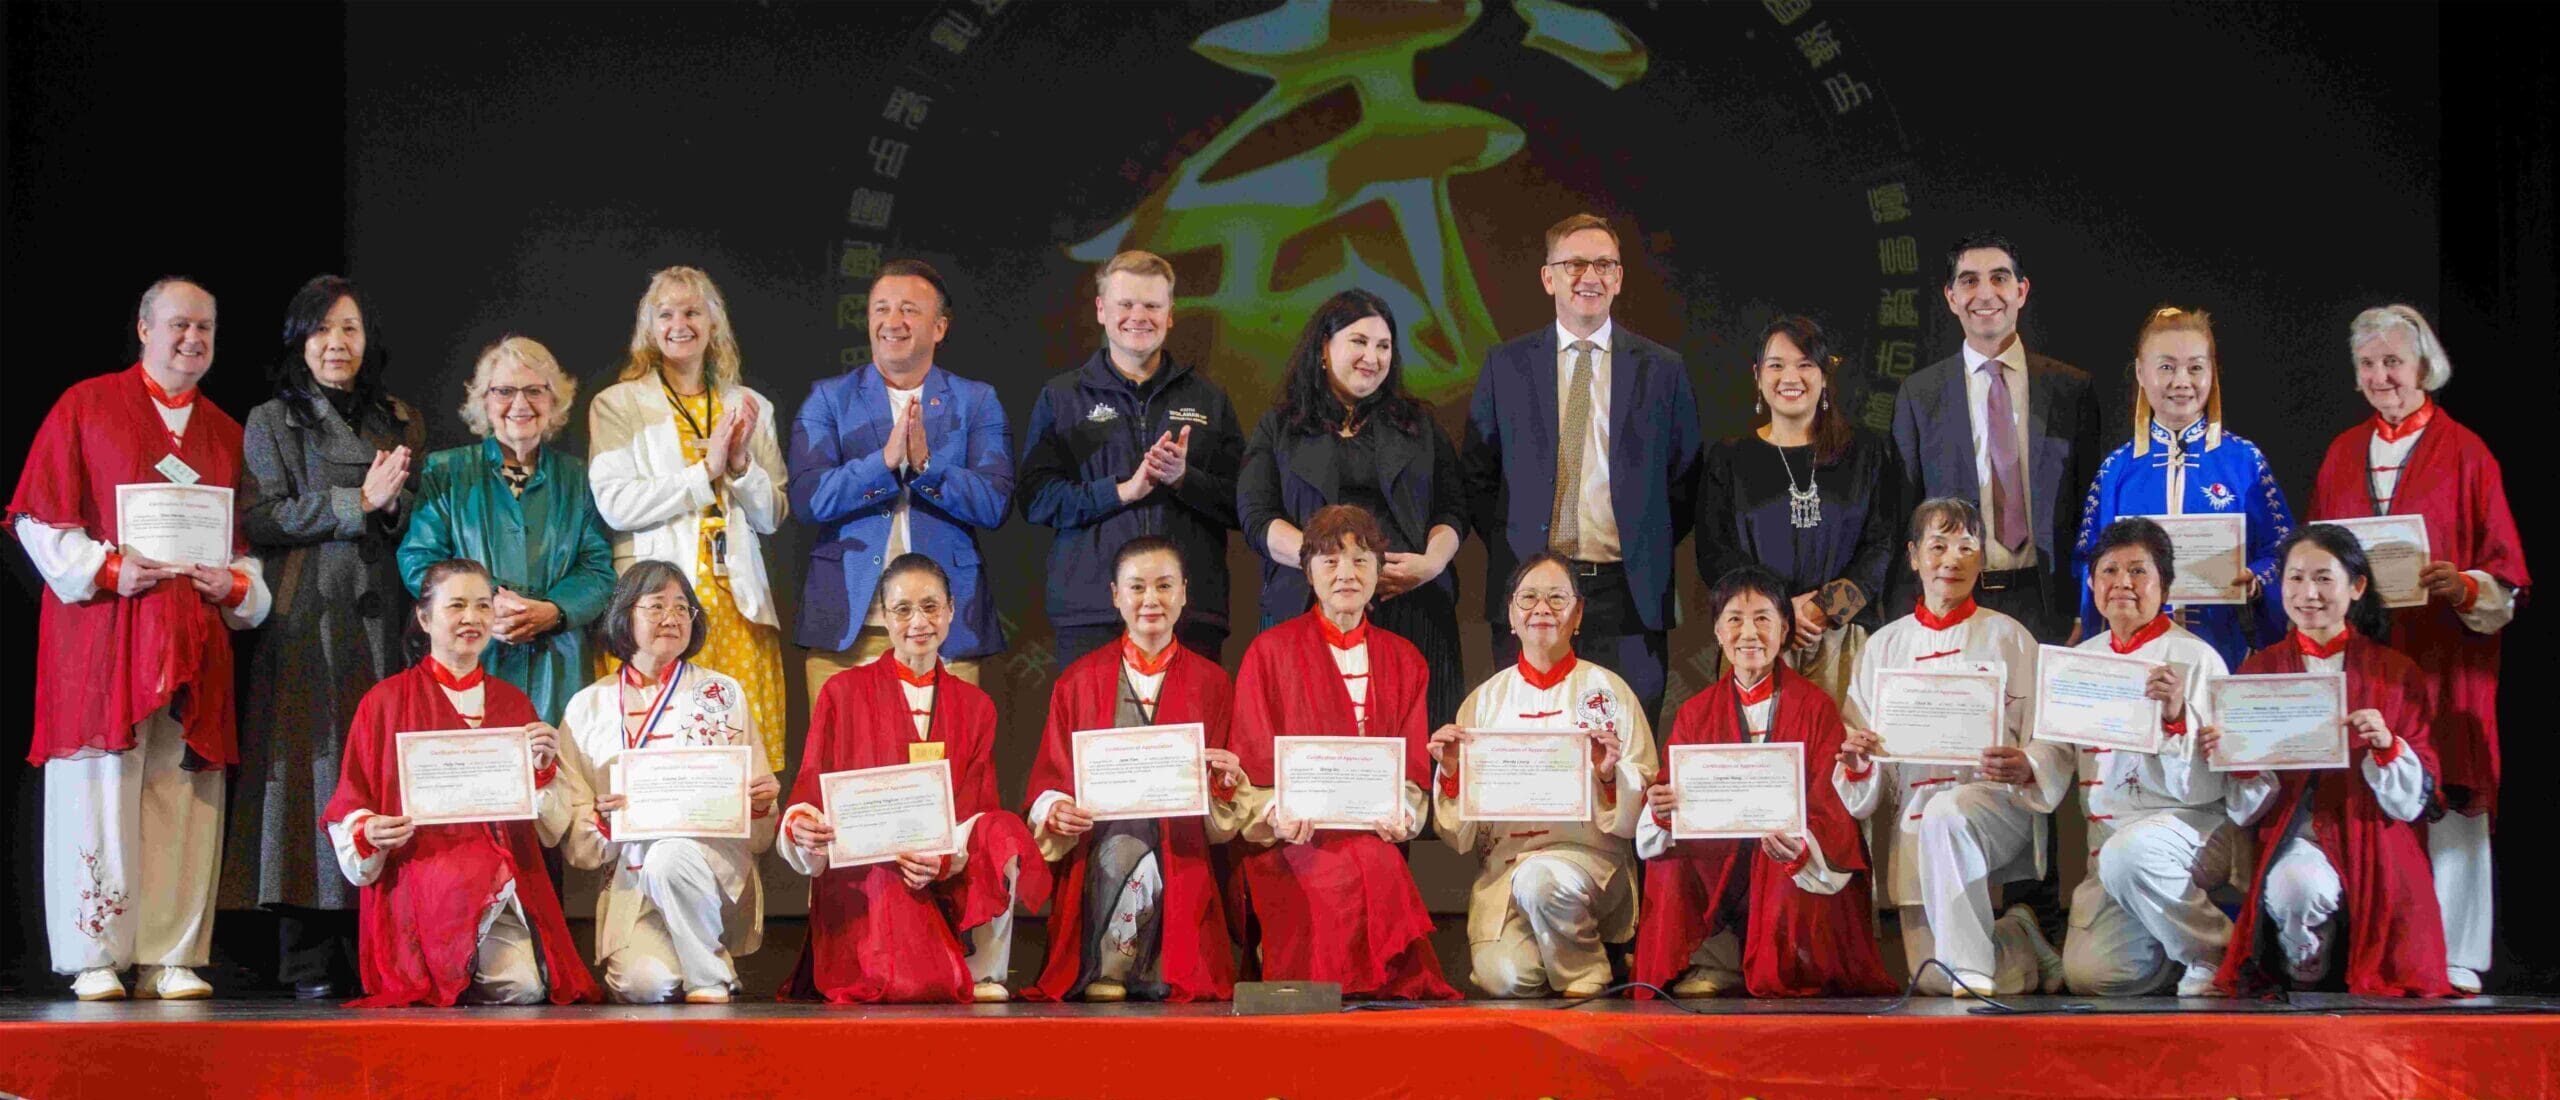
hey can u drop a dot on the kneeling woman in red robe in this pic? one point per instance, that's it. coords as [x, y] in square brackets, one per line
[452, 913]
[892, 932]
[2340, 845]
[1336, 906]
[1136, 913]
[1787, 915]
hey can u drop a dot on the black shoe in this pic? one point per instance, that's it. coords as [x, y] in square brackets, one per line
[315, 991]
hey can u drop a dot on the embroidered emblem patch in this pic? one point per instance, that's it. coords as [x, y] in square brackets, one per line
[2219, 495]
[1102, 414]
[1599, 708]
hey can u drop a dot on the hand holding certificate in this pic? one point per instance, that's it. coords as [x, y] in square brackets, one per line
[174, 523]
[1339, 782]
[457, 777]
[696, 791]
[1142, 771]
[880, 814]
[1929, 717]
[1740, 791]
[1524, 775]
[2396, 547]
[2279, 722]
[2084, 697]
[2211, 557]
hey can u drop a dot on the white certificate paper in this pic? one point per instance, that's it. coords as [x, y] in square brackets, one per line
[1339, 782]
[2396, 547]
[2211, 555]
[2090, 698]
[182, 524]
[2279, 722]
[883, 813]
[1739, 791]
[1524, 775]
[1934, 717]
[456, 777]
[1133, 772]
[690, 791]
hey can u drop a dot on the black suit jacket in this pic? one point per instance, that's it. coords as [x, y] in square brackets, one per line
[1933, 430]
[1289, 476]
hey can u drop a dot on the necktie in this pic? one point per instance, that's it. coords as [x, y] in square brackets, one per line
[2008, 480]
[1564, 532]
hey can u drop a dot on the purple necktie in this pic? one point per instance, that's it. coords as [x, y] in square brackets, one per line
[2008, 481]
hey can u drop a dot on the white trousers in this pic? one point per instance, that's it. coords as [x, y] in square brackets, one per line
[991, 944]
[1551, 936]
[676, 943]
[2303, 894]
[132, 850]
[2146, 908]
[2458, 848]
[507, 970]
[1964, 834]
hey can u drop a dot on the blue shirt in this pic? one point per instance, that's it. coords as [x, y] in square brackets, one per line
[2222, 476]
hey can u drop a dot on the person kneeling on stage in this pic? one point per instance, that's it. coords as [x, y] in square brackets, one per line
[452, 913]
[2157, 836]
[1958, 830]
[1787, 915]
[677, 910]
[1549, 896]
[1136, 913]
[2340, 845]
[1335, 905]
[891, 932]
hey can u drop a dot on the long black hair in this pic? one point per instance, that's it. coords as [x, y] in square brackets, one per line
[302, 317]
[1308, 406]
[2367, 614]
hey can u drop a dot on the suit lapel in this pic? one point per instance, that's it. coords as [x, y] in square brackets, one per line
[1540, 374]
[2044, 459]
[1314, 462]
[1623, 369]
[1954, 453]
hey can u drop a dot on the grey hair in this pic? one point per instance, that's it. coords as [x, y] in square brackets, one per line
[151, 294]
[2384, 320]
[531, 353]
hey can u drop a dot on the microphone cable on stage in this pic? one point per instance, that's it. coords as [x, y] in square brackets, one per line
[1990, 1005]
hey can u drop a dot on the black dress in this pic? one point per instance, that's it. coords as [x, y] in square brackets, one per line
[1746, 513]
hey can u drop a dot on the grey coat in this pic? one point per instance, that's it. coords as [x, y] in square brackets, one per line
[337, 629]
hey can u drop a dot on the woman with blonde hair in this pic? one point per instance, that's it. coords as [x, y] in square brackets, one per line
[686, 469]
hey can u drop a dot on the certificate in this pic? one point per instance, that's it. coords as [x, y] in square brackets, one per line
[2396, 547]
[1142, 771]
[179, 524]
[1524, 775]
[2092, 698]
[695, 791]
[1340, 782]
[2210, 552]
[455, 777]
[2279, 722]
[883, 813]
[1930, 717]
[1743, 791]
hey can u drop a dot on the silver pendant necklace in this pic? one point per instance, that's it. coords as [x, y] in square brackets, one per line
[1804, 506]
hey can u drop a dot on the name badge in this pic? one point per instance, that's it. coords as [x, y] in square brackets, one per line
[924, 752]
[178, 471]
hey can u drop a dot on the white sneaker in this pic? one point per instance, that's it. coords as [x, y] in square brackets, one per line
[990, 993]
[98, 984]
[1971, 985]
[2048, 960]
[170, 983]
[2198, 981]
[2466, 981]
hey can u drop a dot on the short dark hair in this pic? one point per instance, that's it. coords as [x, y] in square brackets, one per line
[917, 269]
[1955, 512]
[2135, 531]
[2366, 615]
[437, 574]
[1148, 544]
[1334, 522]
[1831, 431]
[1984, 238]
[1520, 572]
[912, 562]
[1742, 580]
[645, 578]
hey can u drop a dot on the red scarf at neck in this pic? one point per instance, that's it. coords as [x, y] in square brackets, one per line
[2311, 648]
[910, 676]
[1142, 664]
[1954, 616]
[1551, 677]
[445, 678]
[1339, 638]
[184, 400]
[2158, 626]
[1760, 692]
[2408, 426]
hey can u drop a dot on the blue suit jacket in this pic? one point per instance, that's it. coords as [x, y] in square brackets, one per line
[1654, 453]
[839, 483]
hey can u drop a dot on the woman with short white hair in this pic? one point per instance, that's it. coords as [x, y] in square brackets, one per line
[523, 510]
[2412, 459]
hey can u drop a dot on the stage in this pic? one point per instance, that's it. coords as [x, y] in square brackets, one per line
[2311, 1046]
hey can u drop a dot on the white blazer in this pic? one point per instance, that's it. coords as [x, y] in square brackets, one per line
[653, 498]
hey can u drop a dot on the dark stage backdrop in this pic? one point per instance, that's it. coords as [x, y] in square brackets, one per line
[523, 169]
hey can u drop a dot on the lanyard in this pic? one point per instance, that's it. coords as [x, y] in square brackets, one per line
[657, 709]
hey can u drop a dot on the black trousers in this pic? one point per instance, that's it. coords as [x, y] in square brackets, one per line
[315, 945]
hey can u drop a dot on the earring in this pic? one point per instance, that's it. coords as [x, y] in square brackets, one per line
[1826, 399]
[1756, 408]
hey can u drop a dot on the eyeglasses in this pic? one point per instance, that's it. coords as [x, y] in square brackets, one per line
[931, 609]
[536, 392]
[668, 612]
[1576, 268]
[1553, 601]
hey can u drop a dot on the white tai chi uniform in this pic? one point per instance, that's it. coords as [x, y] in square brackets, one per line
[676, 912]
[2158, 840]
[1954, 835]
